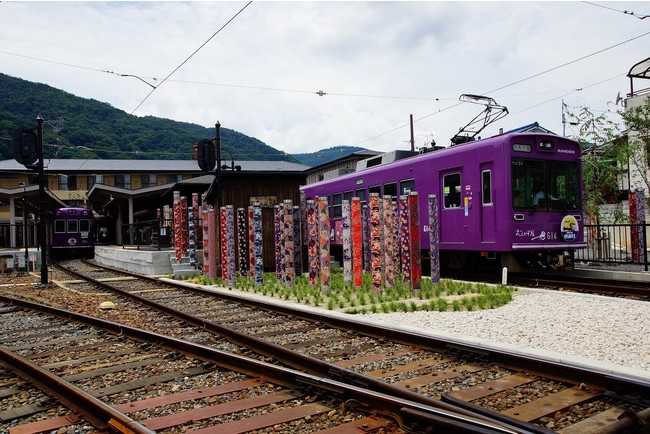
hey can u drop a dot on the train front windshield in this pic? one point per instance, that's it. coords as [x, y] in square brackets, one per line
[545, 185]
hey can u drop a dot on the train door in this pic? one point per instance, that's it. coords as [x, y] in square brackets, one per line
[488, 212]
[452, 221]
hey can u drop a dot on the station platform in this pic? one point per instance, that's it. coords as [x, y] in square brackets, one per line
[137, 259]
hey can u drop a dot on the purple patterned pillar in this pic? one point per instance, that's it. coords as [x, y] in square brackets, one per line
[289, 251]
[404, 243]
[277, 223]
[389, 254]
[434, 241]
[259, 258]
[365, 232]
[212, 235]
[206, 243]
[297, 240]
[242, 251]
[230, 244]
[346, 237]
[251, 243]
[414, 241]
[313, 258]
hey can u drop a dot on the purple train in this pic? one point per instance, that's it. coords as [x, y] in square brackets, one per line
[513, 200]
[72, 233]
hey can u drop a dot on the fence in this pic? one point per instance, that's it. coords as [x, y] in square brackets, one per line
[616, 243]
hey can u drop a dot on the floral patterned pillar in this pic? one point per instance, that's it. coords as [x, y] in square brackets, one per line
[414, 240]
[230, 244]
[259, 258]
[324, 243]
[365, 232]
[347, 240]
[313, 258]
[389, 227]
[289, 251]
[177, 226]
[357, 242]
[277, 224]
[224, 244]
[242, 251]
[184, 237]
[375, 241]
[212, 241]
[191, 236]
[297, 240]
[434, 246]
[404, 239]
[206, 243]
[251, 243]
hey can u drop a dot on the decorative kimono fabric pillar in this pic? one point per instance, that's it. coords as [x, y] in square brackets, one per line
[224, 244]
[277, 224]
[259, 258]
[242, 252]
[289, 252]
[177, 226]
[357, 242]
[184, 237]
[375, 241]
[347, 240]
[404, 244]
[434, 242]
[297, 240]
[230, 244]
[365, 231]
[191, 236]
[251, 243]
[389, 246]
[324, 243]
[206, 243]
[212, 235]
[313, 258]
[414, 240]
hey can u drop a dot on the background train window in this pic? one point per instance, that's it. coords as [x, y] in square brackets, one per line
[527, 176]
[406, 186]
[486, 187]
[336, 205]
[374, 189]
[73, 226]
[361, 194]
[390, 189]
[59, 226]
[347, 195]
[451, 190]
[84, 225]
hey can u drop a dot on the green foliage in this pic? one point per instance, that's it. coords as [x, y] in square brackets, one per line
[109, 133]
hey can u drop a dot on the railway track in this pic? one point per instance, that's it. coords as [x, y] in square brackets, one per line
[519, 391]
[66, 372]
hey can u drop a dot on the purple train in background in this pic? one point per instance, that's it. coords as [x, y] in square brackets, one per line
[513, 200]
[72, 233]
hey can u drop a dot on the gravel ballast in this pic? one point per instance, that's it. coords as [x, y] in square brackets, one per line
[601, 329]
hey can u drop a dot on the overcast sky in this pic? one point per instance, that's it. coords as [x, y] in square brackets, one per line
[376, 62]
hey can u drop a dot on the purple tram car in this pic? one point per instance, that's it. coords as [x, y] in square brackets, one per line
[72, 233]
[511, 200]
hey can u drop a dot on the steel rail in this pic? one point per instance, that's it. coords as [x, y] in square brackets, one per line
[411, 415]
[93, 410]
[296, 360]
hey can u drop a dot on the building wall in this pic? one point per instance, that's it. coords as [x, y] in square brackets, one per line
[639, 173]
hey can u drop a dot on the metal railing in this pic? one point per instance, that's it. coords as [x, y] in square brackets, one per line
[616, 243]
[155, 234]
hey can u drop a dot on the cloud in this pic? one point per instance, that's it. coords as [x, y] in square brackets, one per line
[377, 62]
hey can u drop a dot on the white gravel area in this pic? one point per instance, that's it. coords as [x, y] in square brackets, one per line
[601, 329]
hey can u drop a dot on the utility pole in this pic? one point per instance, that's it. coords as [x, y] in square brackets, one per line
[42, 200]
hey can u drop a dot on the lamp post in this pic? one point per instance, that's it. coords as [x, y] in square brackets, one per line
[25, 241]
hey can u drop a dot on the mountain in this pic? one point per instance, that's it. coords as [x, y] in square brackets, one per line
[77, 127]
[326, 155]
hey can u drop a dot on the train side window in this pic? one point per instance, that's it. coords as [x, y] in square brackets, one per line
[374, 189]
[451, 190]
[336, 205]
[486, 187]
[347, 195]
[84, 225]
[73, 226]
[59, 226]
[390, 189]
[361, 194]
[406, 186]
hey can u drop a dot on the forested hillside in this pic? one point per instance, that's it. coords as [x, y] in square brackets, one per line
[77, 127]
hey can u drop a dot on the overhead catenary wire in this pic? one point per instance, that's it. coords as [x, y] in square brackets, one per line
[191, 55]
